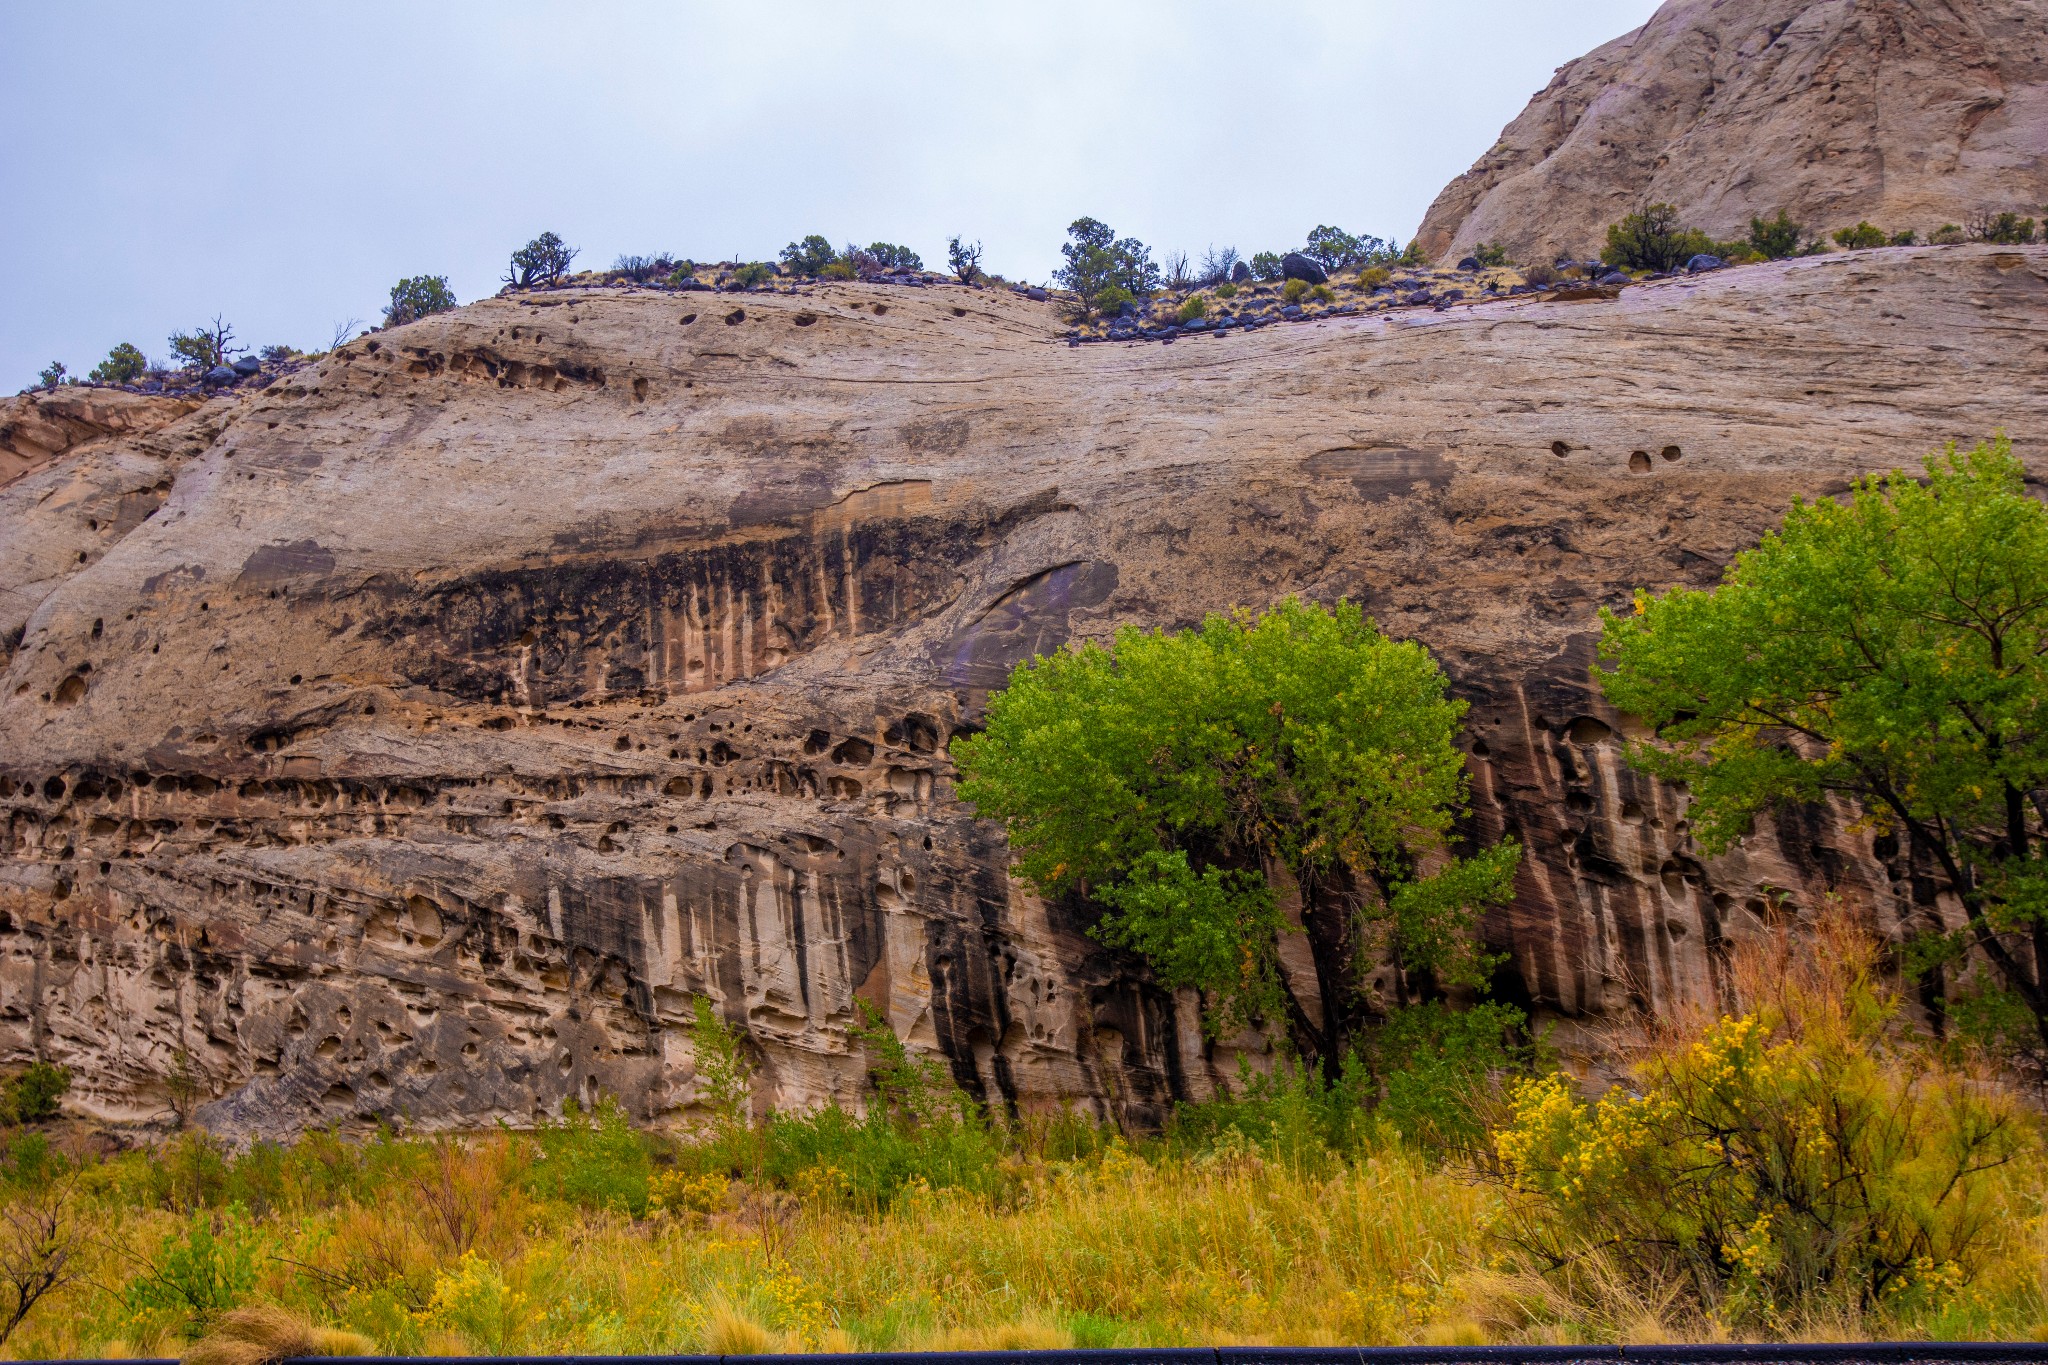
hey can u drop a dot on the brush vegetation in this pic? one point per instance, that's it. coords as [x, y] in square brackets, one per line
[1804, 1165]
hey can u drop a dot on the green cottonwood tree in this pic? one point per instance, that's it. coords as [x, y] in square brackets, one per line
[1891, 650]
[1174, 778]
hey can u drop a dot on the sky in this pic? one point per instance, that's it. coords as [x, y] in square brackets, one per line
[281, 166]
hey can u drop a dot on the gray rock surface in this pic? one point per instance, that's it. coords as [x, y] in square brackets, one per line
[416, 737]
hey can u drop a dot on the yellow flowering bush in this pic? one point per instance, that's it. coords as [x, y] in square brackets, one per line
[1764, 1163]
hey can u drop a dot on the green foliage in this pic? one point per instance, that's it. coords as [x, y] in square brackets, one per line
[890, 256]
[1196, 306]
[418, 297]
[1777, 1163]
[1290, 1114]
[724, 1085]
[544, 260]
[1321, 294]
[2005, 229]
[1491, 254]
[33, 1096]
[1652, 238]
[1172, 776]
[596, 1160]
[1437, 1066]
[1226, 290]
[750, 275]
[52, 375]
[1859, 238]
[1893, 650]
[1335, 249]
[125, 364]
[1111, 300]
[1948, 234]
[202, 348]
[1906, 238]
[1265, 265]
[1373, 277]
[963, 260]
[1294, 291]
[1097, 260]
[1775, 238]
[809, 256]
[200, 1271]
[916, 1091]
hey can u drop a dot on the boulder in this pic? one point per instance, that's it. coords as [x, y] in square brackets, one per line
[1469, 264]
[217, 376]
[247, 366]
[1728, 109]
[1614, 277]
[1295, 266]
[1240, 273]
[1292, 312]
[1703, 263]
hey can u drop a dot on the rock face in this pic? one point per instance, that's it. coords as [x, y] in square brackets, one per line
[1908, 113]
[415, 737]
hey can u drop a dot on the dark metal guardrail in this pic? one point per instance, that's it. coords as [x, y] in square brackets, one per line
[1789, 1353]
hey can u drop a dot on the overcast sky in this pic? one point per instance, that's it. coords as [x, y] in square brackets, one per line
[284, 164]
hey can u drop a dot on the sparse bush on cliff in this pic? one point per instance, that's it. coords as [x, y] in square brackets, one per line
[1490, 255]
[890, 256]
[418, 297]
[808, 256]
[1162, 777]
[2005, 229]
[202, 348]
[643, 269]
[1948, 234]
[964, 260]
[1775, 238]
[125, 364]
[1226, 290]
[544, 260]
[1334, 249]
[1859, 238]
[52, 375]
[1294, 291]
[1652, 238]
[750, 275]
[1266, 265]
[1374, 276]
[1906, 238]
[1891, 651]
[1217, 266]
[1098, 259]
[1194, 307]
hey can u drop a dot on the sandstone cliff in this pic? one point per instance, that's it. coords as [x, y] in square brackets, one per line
[1909, 113]
[414, 737]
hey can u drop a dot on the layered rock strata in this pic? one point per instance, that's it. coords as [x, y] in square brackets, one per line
[1907, 113]
[415, 738]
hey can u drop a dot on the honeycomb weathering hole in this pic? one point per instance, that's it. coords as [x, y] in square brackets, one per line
[1560, 448]
[1589, 730]
[806, 319]
[1671, 452]
[1639, 462]
[736, 317]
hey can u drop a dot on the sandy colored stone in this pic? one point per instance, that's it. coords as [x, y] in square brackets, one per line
[1907, 113]
[477, 696]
